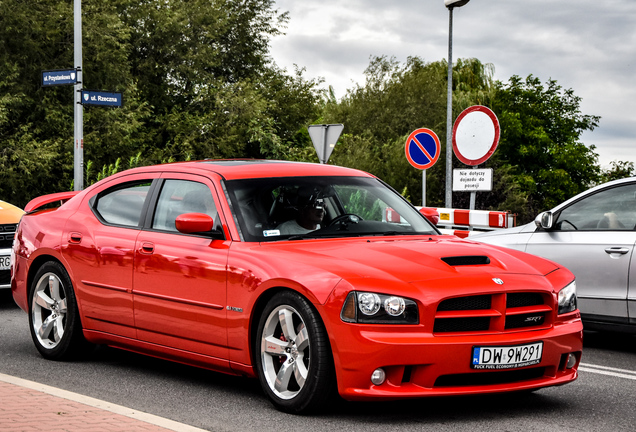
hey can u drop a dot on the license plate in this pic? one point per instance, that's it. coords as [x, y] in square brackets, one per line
[507, 357]
[5, 262]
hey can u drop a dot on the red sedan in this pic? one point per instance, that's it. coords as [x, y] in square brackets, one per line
[313, 278]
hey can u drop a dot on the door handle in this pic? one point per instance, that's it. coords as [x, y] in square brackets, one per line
[74, 237]
[147, 248]
[617, 250]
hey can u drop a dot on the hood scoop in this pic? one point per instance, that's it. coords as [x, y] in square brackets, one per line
[467, 260]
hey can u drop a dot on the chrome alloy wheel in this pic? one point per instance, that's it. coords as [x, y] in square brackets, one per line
[285, 350]
[48, 310]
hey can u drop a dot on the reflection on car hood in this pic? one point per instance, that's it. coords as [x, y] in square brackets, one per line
[406, 259]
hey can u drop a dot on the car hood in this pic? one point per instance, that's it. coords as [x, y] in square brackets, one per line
[408, 259]
[9, 214]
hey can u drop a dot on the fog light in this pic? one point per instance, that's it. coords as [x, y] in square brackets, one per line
[571, 361]
[378, 376]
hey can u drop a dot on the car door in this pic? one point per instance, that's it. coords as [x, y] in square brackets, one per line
[594, 237]
[99, 247]
[180, 279]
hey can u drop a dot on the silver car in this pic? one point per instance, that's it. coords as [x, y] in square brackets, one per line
[593, 235]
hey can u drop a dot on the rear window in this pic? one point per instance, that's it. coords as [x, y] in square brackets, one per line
[123, 205]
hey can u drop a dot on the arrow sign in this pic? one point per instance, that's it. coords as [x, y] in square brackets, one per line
[422, 148]
[90, 97]
[324, 137]
[59, 77]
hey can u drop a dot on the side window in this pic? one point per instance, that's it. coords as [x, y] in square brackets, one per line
[612, 209]
[123, 205]
[182, 196]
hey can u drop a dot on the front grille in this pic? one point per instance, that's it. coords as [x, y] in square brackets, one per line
[5, 277]
[523, 299]
[465, 303]
[489, 378]
[7, 232]
[448, 325]
[525, 320]
[494, 313]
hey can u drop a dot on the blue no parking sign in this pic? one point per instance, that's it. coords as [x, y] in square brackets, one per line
[422, 148]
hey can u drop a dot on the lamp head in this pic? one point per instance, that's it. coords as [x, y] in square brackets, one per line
[455, 3]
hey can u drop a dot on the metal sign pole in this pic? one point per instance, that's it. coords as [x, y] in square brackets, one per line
[423, 188]
[473, 195]
[78, 134]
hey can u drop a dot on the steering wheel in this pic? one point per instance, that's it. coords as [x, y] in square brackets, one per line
[569, 223]
[349, 217]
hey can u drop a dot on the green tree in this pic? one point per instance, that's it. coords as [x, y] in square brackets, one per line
[540, 160]
[541, 127]
[395, 100]
[196, 77]
[618, 170]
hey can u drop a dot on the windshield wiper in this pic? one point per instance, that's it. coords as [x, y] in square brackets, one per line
[298, 237]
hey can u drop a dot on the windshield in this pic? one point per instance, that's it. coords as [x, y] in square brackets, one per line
[274, 209]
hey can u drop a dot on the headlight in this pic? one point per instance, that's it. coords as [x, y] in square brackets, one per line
[567, 299]
[373, 308]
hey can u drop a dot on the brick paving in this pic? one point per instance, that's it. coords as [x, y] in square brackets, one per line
[24, 409]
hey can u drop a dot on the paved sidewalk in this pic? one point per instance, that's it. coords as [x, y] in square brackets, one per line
[27, 406]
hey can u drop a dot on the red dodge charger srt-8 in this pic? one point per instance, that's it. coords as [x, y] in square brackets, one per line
[292, 273]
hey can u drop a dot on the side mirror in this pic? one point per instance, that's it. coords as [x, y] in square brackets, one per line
[431, 214]
[197, 223]
[544, 220]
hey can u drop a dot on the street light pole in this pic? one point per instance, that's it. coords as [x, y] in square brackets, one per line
[450, 4]
[78, 110]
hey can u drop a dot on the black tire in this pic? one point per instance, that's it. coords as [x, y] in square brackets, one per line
[293, 355]
[53, 315]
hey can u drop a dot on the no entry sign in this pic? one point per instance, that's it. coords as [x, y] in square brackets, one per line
[475, 135]
[422, 148]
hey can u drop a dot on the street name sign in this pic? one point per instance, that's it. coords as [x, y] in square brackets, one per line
[59, 77]
[90, 97]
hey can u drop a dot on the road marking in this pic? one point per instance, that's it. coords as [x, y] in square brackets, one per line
[605, 370]
[100, 404]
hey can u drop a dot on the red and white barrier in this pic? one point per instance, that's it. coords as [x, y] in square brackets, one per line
[475, 218]
[466, 220]
[447, 220]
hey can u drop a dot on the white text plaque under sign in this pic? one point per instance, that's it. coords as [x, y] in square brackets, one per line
[472, 180]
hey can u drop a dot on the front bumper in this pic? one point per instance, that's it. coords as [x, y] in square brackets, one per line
[419, 363]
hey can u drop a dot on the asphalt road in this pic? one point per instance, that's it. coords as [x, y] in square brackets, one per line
[602, 399]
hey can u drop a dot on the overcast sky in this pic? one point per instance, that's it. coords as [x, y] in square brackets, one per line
[586, 45]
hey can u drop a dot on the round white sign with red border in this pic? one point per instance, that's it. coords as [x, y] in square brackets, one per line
[475, 135]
